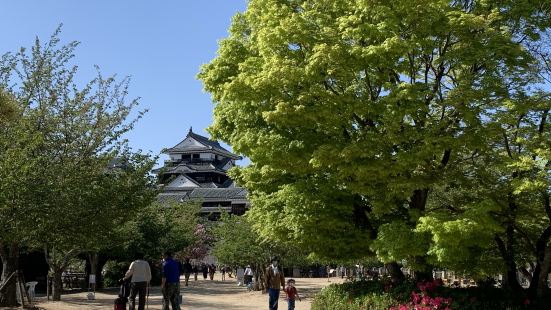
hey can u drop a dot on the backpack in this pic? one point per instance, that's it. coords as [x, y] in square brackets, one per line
[124, 292]
[120, 303]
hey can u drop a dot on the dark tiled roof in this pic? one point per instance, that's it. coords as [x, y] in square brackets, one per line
[222, 163]
[199, 167]
[228, 183]
[217, 194]
[208, 185]
[172, 197]
[204, 140]
[188, 168]
[209, 145]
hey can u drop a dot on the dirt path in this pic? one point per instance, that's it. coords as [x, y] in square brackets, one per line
[199, 295]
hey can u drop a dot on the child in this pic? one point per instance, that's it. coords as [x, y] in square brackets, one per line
[291, 293]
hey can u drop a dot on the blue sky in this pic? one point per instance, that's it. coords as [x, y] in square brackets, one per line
[160, 44]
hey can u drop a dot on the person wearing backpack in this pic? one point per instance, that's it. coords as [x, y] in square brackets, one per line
[139, 274]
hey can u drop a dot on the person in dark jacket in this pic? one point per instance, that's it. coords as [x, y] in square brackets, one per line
[187, 269]
[274, 280]
[212, 270]
[205, 270]
[195, 271]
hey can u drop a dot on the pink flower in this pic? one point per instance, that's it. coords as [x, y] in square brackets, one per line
[415, 297]
[438, 301]
[425, 300]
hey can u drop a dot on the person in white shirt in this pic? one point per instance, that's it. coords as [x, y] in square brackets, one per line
[248, 275]
[140, 274]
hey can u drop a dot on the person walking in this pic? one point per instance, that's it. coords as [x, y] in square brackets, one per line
[205, 270]
[140, 274]
[292, 294]
[248, 275]
[274, 279]
[240, 275]
[170, 283]
[223, 272]
[195, 271]
[212, 270]
[187, 269]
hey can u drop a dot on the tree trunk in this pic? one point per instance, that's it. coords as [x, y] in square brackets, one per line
[526, 274]
[542, 280]
[58, 263]
[538, 285]
[57, 285]
[507, 248]
[259, 278]
[93, 259]
[543, 254]
[424, 274]
[507, 253]
[10, 258]
[419, 201]
[102, 260]
[396, 275]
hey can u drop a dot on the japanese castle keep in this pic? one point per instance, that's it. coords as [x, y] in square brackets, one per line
[197, 171]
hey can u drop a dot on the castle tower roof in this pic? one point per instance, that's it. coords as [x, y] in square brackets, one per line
[195, 143]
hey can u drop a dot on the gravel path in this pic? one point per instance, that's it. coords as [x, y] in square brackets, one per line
[199, 295]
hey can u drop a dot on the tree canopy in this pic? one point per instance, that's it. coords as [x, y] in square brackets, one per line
[364, 119]
[69, 178]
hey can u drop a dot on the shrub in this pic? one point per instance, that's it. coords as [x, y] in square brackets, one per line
[113, 271]
[379, 295]
[360, 295]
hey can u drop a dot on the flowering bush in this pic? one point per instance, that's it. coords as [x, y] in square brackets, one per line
[201, 245]
[421, 299]
[432, 295]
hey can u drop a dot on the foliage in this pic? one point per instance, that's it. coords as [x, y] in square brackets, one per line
[160, 227]
[423, 295]
[357, 295]
[202, 244]
[357, 115]
[113, 271]
[7, 108]
[76, 180]
[79, 135]
[237, 244]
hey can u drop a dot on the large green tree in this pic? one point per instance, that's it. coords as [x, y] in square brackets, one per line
[70, 193]
[498, 213]
[354, 112]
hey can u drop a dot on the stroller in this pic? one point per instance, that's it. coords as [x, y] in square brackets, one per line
[250, 286]
[249, 283]
[124, 292]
